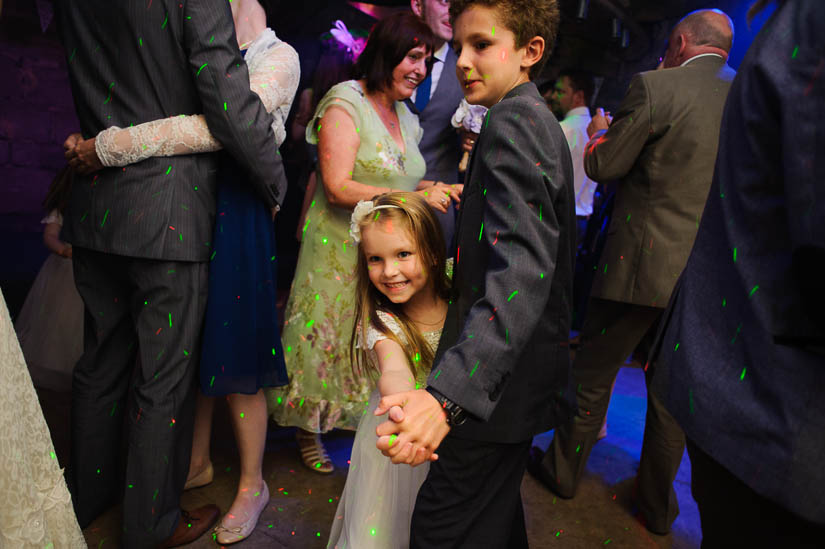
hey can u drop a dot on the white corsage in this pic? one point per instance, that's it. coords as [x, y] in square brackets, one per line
[362, 211]
[470, 117]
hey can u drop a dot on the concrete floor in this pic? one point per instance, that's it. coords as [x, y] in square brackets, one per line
[303, 503]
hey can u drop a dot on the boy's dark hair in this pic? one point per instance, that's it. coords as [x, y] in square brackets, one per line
[525, 18]
[389, 41]
[580, 81]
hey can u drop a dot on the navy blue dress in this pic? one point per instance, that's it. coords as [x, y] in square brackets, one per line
[241, 350]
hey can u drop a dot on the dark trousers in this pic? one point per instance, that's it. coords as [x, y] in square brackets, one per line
[734, 515]
[149, 312]
[472, 497]
[612, 330]
[581, 229]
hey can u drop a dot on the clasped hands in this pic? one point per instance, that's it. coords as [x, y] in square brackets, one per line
[81, 154]
[415, 427]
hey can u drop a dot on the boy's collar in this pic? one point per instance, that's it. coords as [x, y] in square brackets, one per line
[527, 88]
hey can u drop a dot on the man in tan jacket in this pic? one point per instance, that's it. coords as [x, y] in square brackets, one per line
[661, 146]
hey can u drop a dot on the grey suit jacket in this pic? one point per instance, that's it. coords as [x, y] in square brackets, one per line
[742, 367]
[132, 62]
[661, 146]
[503, 354]
[440, 146]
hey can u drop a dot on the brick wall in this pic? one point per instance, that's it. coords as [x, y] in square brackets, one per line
[36, 115]
[37, 110]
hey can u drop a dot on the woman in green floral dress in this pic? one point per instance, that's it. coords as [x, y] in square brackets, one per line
[367, 145]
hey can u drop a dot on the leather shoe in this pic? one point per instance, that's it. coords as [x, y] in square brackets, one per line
[192, 525]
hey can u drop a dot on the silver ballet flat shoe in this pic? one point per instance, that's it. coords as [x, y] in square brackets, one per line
[228, 536]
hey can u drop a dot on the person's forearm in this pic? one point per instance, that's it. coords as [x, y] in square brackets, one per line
[395, 382]
[54, 244]
[346, 193]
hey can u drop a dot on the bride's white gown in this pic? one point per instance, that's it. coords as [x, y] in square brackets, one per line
[36, 509]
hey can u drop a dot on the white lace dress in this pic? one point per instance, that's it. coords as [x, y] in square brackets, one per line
[378, 499]
[37, 509]
[274, 71]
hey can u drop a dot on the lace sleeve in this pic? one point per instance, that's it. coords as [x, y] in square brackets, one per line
[274, 75]
[274, 70]
[374, 336]
[186, 134]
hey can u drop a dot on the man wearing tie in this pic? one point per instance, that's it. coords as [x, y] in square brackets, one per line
[435, 101]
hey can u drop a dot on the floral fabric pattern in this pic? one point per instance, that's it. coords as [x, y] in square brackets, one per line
[323, 392]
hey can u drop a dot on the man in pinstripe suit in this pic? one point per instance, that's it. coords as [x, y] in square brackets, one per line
[141, 238]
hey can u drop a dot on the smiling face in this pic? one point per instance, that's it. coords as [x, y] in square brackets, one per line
[409, 73]
[394, 263]
[436, 14]
[489, 64]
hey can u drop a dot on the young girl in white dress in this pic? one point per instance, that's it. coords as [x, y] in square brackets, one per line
[401, 303]
[50, 324]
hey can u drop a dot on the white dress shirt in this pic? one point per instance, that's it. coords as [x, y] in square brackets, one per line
[439, 56]
[575, 130]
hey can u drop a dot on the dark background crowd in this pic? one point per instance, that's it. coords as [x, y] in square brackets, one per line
[37, 111]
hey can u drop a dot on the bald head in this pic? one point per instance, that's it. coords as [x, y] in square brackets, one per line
[702, 31]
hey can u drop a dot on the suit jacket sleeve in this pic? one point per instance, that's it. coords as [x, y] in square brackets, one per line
[235, 115]
[521, 233]
[610, 155]
[799, 91]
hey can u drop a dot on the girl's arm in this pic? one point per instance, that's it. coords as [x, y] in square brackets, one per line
[396, 376]
[274, 77]
[51, 238]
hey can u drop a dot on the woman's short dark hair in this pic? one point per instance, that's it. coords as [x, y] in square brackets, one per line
[389, 42]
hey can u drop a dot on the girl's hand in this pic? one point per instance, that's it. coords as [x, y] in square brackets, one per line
[66, 251]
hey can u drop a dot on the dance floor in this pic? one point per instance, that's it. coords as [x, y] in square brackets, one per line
[303, 503]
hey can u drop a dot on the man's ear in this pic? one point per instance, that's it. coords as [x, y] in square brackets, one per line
[417, 8]
[533, 52]
[682, 46]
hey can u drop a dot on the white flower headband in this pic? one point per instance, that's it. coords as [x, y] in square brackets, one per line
[362, 211]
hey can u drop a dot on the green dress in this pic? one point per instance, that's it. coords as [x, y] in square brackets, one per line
[323, 393]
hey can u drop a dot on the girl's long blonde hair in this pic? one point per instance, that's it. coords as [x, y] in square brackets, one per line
[410, 212]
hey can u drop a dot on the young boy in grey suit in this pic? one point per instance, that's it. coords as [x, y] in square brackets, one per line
[501, 373]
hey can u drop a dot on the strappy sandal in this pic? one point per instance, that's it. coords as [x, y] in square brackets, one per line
[313, 453]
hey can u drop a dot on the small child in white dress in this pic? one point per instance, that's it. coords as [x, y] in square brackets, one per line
[50, 324]
[401, 303]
